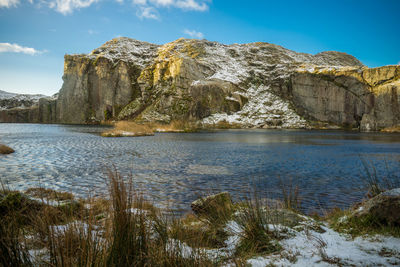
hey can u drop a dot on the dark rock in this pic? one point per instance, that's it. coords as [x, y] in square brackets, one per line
[5, 149]
[384, 208]
[212, 203]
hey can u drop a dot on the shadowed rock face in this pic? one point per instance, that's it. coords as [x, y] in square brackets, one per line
[252, 85]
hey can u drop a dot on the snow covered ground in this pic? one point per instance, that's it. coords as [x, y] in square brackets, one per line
[310, 248]
[306, 247]
[7, 95]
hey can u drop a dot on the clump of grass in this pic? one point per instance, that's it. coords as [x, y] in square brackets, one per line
[291, 198]
[130, 232]
[13, 250]
[5, 149]
[378, 183]
[128, 128]
[257, 237]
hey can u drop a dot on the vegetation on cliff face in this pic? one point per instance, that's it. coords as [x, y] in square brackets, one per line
[251, 85]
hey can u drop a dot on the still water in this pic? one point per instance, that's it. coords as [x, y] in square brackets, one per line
[173, 169]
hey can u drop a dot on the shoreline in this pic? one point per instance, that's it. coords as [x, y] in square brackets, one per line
[390, 130]
[217, 231]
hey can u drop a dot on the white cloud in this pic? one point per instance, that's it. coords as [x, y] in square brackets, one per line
[163, 2]
[15, 48]
[194, 34]
[191, 5]
[148, 8]
[68, 6]
[140, 2]
[147, 13]
[145, 8]
[8, 3]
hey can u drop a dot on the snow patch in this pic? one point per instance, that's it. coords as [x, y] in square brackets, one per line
[310, 248]
[262, 109]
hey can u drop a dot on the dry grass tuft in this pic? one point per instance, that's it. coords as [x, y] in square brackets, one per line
[257, 238]
[127, 128]
[176, 126]
[394, 129]
[123, 230]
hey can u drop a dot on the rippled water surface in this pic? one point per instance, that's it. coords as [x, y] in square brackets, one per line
[175, 168]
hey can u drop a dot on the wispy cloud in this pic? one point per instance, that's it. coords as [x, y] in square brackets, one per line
[16, 48]
[147, 12]
[194, 34]
[8, 3]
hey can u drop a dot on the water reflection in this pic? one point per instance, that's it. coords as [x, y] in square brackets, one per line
[175, 168]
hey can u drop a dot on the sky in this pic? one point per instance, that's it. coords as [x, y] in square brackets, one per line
[36, 34]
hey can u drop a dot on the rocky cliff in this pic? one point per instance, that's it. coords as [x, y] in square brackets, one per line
[19, 107]
[248, 85]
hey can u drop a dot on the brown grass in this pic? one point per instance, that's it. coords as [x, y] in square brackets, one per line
[128, 128]
[394, 129]
[5, 149]
[175, 126]
[106, 233]
[49, 194]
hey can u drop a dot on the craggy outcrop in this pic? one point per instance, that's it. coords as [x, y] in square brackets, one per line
[362, 97]
[250, 85]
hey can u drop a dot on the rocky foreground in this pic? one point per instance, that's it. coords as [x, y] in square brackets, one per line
[45, 227]
[240, 85]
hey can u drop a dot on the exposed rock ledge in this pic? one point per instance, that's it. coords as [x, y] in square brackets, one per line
[247, 85]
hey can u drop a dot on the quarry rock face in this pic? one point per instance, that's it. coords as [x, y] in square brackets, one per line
[248, 85]
[19, 107]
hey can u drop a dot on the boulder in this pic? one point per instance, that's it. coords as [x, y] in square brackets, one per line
[5, 149]
[211, 204]
[384, 208]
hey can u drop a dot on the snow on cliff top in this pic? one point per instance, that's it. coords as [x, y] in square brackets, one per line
[7, 95]
[144, 53]
[123, 48]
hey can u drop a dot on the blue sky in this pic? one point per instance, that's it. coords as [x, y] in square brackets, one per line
[35, 34]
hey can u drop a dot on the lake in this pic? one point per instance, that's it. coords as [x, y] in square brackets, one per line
[173, 169]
